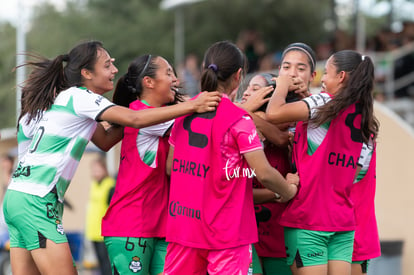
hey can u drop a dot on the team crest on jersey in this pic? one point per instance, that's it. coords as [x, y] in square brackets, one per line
[59, 227]
[135, 265]
[250, 272]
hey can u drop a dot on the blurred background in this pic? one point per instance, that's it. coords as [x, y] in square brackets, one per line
[181, 30]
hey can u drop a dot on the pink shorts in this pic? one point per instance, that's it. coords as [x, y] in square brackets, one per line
[186, 260]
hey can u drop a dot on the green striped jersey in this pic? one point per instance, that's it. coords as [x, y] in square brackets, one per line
[25, 135]
[58, 142]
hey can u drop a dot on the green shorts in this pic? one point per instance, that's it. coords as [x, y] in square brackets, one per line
[363, 264]
[275, 266]
[270, 266]
[136, 255]
[32, 219]
[257, 265]
[308, 247]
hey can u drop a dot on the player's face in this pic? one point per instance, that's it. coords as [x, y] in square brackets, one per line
[296, 64]
[166, 82]
[255, 84]
[331, 79]
[101, 80]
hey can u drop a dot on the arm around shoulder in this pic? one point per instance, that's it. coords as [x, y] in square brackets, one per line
[105, 139]
[207, 101]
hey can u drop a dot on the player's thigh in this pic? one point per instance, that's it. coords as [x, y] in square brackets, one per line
[22, 262]
[359, 267]
[309, 270]
[339, 268]
[55, 258]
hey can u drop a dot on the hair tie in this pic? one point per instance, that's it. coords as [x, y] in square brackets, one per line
[363, 57]
[213, 67]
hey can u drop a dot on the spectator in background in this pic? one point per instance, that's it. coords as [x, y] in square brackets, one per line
[190, 75]
[342, 41]
[407, 32]
[270, 62]
[383, 41]
[404, 65]
[323, 51]
[7, 164]
[251, 43]
[99, 197]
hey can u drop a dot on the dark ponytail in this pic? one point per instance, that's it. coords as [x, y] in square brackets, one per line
[49, 77]
[358, 89]
[129, 86]
[40, 88]
[221, 60]
[123, 95]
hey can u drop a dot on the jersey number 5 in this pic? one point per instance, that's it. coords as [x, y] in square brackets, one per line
[197, 139]
[356, 134]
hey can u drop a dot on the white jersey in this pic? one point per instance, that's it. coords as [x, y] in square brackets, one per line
[148, 139]
[58, 143]
[25, 135]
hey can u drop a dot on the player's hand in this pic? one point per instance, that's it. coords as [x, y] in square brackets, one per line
[206, 102]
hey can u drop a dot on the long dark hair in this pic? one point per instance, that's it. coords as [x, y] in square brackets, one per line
[269, 82]
[129, 86]
[358, 89]
[49, 77]
[221, 60]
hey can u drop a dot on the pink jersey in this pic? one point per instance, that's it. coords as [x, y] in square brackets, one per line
[211, 200]
[271, 233]
[366, 243]
[139, 205]
[323, 201]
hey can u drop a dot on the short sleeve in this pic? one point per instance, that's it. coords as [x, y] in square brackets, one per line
[364, 160]
[365, 156]
[315, 101]
[90, 105]
[158, 130]
[245, 134]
